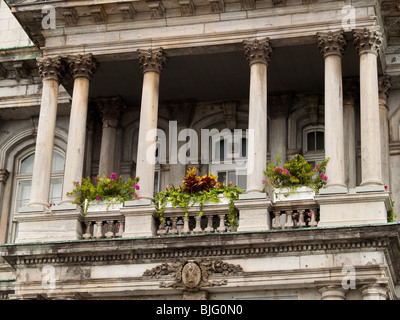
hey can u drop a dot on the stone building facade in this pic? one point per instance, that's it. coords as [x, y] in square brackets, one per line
[83, 83]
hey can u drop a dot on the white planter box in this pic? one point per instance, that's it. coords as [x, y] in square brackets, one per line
[222, 200]
[286, 194]
[101, 206]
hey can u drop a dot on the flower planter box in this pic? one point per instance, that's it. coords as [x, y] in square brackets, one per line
[286, 194]
[101, 206]
[222, 200]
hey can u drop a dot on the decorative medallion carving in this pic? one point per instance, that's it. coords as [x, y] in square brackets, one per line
[192, 275]
[257, 51]
[367, 41]
[82, 65]
[152, 60]
[331, 43]
[51, 68]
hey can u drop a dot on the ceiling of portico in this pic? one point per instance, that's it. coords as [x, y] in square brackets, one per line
[220, 76]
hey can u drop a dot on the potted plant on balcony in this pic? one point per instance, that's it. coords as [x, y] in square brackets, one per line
[105, 192]
[296, 179]
[199, 190]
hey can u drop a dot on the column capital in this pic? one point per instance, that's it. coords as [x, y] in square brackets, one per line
[333, 292]
[332, 43]
[257, 51]
[374, 291]
[4, 175]
[110, 110]
[51, 68]
[82, 65]
[152, 60]
[384, 87]
[367, 40]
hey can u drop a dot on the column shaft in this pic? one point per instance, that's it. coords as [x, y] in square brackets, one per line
[152, 62]
[258, 54]
[50, 70]
[368, 43]
[332, 45]
[384, 87]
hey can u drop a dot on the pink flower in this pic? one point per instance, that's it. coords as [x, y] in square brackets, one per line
[264, 181]
[137, 187]
[98, 198]
[323, 177]
[113, 176]
[386, 187]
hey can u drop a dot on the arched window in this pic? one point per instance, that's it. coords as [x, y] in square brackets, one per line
[24, 179]
[228, 157]
[314, 144]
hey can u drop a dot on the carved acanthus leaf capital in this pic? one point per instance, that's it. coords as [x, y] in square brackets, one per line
[82, 65]
[384, 87]
[332, 43]
[367, 41]
[110, 110]
[51, 68]
[152, 60]
[257, 51]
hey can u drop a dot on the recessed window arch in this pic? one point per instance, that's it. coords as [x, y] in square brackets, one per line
[228, 157]
[314, 143]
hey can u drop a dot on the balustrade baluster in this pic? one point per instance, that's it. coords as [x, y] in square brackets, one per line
[289, 220]
[99, 233]
[110, 227]
[162, 228]
[174, 229]
[209, 228]
[313, 223]
[186, 228]
[221, 227]
[198, 228]
[120, 230]
[277, 220]
[87, 234]
[301, 223]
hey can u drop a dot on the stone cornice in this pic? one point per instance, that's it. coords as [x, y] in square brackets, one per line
[221, 246]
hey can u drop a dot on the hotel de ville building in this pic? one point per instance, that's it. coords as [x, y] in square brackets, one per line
[227, 85]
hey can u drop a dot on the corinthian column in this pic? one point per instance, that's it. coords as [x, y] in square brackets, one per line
[257, 53]
[368, 43]
[384, 88]
[110, 110]
[82, 68]
[332, 46]
[51, 71]
[152, 62]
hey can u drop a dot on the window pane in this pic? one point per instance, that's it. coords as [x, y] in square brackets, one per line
[242, 181]
[58, 162]
[231, 178]
[156, 181]
[55, 190]
[23, 193]
[222, 149]
[310, 141]
[27, 164]
[221, 176]
[244, 147]
[320, 140]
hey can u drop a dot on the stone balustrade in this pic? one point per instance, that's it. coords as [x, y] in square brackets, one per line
[294, 214]
[175, 221]
[99, 225]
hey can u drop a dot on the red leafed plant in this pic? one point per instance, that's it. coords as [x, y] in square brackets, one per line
[192, 183]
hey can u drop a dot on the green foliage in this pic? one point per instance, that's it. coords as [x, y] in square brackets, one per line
[391, 215]
[296, 172]
[199, 190]
[111, 190]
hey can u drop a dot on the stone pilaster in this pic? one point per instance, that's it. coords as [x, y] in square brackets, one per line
[110, 110]
[368, 43]
[152, 63]
[257, 54]
[82, 68]
[51, 70]
[384, 89]
[350, 96]
[332, 46]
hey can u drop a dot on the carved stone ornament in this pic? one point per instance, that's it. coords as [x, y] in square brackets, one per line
[384, 87]
[332, 43]
[192, 275]
[82, 65]
[152, 60]
[110, 110]
[51, 68]
[367, 41]
[257, 51]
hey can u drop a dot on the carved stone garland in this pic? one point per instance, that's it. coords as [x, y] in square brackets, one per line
[192, 275]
